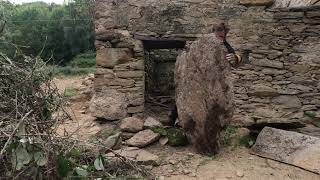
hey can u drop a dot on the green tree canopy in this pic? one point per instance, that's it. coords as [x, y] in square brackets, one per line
[48, 30]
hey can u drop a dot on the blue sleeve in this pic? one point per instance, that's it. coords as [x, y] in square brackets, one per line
[229, 48]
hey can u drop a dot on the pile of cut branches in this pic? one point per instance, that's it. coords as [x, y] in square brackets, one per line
[28, 100]
[31, 110]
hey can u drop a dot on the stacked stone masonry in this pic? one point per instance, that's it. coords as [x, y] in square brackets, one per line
[280, 82]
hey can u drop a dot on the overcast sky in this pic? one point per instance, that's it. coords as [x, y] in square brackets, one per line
[27, 1]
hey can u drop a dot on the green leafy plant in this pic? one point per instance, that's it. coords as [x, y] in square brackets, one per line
[176, 137]
[247, 141]
[229, 131]
[310, 114]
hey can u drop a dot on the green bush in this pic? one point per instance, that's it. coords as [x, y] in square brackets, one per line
[71, 71]
[85, 60]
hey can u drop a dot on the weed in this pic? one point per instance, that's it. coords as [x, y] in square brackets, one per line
[247, 141]
[72, 71]
[228, 134]
[70, 92]
[85, 60]
[206, 160]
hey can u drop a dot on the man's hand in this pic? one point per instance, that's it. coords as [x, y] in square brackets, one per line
[231, 58]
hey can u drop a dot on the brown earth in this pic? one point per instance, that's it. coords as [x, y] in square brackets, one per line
[235, 163]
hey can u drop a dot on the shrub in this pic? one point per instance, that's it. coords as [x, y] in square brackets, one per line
[85, 60]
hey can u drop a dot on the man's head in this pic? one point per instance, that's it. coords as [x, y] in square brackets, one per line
[220, 30]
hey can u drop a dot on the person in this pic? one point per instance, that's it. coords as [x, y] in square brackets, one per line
[221, 32]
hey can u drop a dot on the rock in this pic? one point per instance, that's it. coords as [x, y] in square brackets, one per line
[163, 141]
[173, 162]
[309, 108]
[109, 105]
[271, 71]
[113, 142]
[145, 157]
[289, 147]
[135, 154]
[263, 91]
[108, 137]
[127, 135]
[130, 74]
[109, 57]
[287, 102]
[268, 63]
[186, 171]
[299, 87]
[310, 130]
[256, 2]
[266, 113]
[239, 173]
[292, 3]
[151, 123]
[242, 120]
[143, 138]
[135, 109]
[204, 93]
[131, 124]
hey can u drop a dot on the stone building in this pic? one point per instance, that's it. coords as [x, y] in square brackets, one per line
[136, 38]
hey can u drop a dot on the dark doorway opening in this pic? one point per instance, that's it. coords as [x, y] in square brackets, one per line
[160, 58]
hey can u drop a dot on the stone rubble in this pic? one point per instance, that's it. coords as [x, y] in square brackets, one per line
[131, 125]
[150, 122]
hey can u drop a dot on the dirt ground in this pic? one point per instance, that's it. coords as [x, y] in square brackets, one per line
[182, 163]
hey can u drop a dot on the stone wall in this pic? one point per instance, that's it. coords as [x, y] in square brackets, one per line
[282, 79]
[280, 82]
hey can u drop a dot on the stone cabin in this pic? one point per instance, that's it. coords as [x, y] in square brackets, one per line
[137, 42]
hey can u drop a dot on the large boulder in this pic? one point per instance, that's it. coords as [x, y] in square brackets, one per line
[109, 105]
[289, 147]
[204, 92]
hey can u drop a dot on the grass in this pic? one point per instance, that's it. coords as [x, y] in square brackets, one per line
[72, 71]
[70, 92]
[81, 64]
[228, 134]
[247, 141]
[85, 60]
[206, 160]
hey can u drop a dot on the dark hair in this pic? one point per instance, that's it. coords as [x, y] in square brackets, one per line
[220, 27]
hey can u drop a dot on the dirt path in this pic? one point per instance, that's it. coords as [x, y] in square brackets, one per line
[181, 163]
[239, 164]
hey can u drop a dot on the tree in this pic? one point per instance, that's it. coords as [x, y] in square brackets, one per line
[49, 30]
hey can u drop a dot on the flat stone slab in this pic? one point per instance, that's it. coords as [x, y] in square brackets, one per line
[143, 138]
[135, 154]
[289, 147]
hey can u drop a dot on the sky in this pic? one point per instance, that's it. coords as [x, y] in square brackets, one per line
[27, 1]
